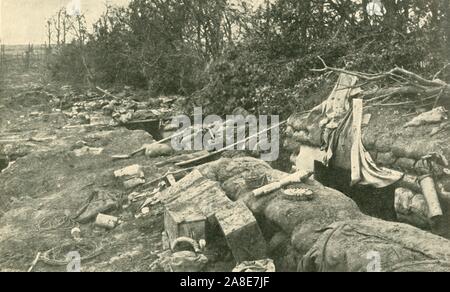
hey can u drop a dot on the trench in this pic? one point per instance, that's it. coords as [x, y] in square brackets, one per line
[152, 127]
[373, 202]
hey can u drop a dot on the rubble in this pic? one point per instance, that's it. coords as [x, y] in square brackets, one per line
[98, 202]
[237, 211]
[131, 176]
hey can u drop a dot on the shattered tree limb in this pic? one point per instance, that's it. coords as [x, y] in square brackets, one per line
[404, 83]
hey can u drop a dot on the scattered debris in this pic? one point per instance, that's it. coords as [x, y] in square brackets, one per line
[57, 256]
[97, 202]
[106, 221]
[131, 176]
[261, 266]
[76, 234]
[133, 171]
[134, 182]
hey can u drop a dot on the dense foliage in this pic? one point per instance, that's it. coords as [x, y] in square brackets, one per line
[226, 54]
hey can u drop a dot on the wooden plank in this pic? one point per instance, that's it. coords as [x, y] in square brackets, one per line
[356, 135]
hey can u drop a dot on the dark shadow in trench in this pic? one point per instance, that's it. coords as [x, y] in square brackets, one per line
[374, 202]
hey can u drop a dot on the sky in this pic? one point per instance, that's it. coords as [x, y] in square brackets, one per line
[23, 21]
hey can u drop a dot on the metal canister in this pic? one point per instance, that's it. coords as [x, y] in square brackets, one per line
[106, 221]
[429, 191]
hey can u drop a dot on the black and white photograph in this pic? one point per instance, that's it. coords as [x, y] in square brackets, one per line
[224, 138]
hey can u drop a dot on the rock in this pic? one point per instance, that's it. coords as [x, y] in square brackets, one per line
[130, 172]
[134, 182]
[405, 164]
[411, 208]
[158, 150]
[386, 159]
[289, 131]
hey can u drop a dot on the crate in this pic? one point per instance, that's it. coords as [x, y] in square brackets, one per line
[184, 222]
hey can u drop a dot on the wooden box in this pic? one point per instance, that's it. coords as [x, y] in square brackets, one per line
[184, 222]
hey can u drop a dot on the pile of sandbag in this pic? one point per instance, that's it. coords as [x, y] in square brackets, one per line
[376, 246]
[327, 232]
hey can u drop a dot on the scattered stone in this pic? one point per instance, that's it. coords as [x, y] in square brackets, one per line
[131, 176]
[158, 150]
[405, 164]
[386, 159]
[133, 171]
[134, 182]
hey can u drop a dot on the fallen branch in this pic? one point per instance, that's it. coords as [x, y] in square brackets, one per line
[34, 263]
[106, 92]
[397, 72]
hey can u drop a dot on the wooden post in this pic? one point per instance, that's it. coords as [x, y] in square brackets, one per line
[356, 135]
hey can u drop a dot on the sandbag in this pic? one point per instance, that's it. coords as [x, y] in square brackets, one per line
[307, 237]
[374, 245]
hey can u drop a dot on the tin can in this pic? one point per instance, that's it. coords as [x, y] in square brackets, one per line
[106, 221]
